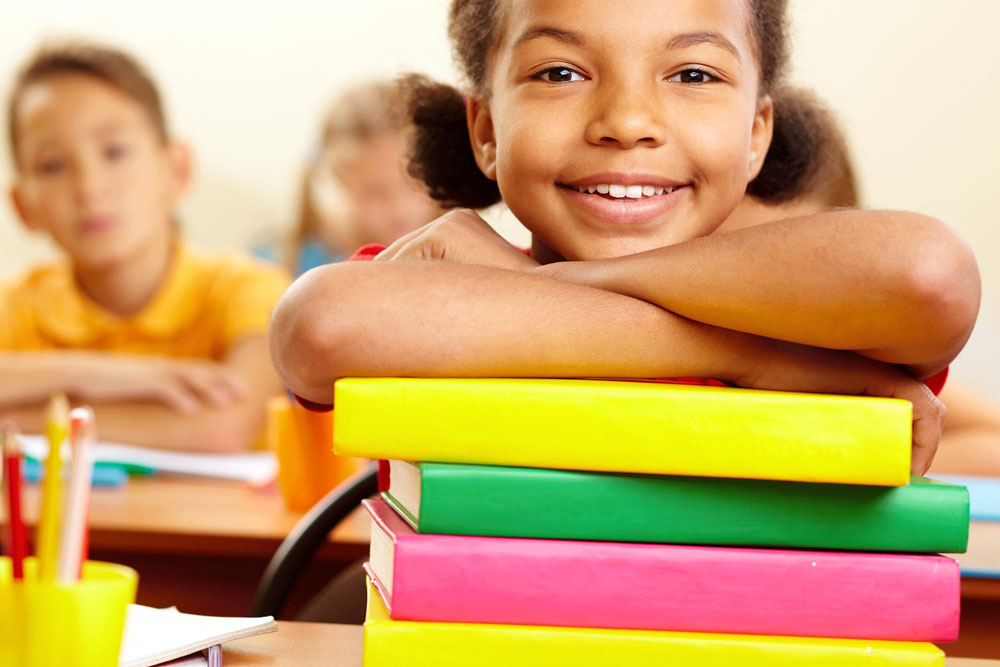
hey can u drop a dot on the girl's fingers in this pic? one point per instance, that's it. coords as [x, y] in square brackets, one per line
[928, 418]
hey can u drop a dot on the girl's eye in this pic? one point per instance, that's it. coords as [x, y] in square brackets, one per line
[114, 152]
[692, 76]
[559, 75]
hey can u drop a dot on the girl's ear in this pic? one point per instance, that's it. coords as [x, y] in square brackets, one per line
[484, 145]
[180, 167]
[760, 136]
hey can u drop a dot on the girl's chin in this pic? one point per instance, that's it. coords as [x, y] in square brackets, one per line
[612, 248]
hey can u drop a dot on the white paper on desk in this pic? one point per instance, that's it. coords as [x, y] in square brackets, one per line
[245, 466]
[195, 660]
[153, 636]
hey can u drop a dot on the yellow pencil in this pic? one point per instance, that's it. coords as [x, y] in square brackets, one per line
[56, 431]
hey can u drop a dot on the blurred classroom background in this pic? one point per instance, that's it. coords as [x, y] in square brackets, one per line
[247, 83]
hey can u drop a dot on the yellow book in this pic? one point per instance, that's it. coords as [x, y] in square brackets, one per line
[390, 643]
[627, 427]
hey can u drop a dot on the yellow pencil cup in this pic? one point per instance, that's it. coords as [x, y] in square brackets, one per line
[79, 624]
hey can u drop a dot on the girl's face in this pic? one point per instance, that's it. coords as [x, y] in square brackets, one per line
[93, 171]
[614, 128]
[385, 203]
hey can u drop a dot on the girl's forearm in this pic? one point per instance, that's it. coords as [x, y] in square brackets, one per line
[439, 318]
[897, 287]
[449, 319]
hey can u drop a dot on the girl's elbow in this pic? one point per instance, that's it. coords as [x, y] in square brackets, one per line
[946, 287]
[310, 332]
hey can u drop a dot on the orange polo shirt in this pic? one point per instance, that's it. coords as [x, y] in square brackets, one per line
[207, 303]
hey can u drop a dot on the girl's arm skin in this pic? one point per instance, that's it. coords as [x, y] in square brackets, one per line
[970, 443]
[896, 287]
[156, 402]
[447, 318]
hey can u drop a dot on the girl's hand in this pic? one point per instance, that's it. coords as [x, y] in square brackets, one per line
[458, 236]
[794, 367]
[185, 386]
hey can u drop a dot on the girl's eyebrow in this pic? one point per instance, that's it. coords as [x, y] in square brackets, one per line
[681, 41]
[688, 39]
[558, 34]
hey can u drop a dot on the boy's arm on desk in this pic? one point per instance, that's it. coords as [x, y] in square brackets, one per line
[173, 404]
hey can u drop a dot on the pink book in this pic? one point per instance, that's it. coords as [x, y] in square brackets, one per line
[452, 578]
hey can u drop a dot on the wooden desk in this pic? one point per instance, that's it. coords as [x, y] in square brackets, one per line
[202, 544]
[319, 644]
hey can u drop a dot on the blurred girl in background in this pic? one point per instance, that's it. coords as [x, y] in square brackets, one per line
[355, 189]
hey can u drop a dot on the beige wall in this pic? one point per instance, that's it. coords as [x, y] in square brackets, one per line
[915, 82]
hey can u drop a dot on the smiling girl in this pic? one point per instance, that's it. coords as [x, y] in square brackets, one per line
[622, 135]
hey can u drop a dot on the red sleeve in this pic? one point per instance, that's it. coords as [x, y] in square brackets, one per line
[936, 382]
[365, 253]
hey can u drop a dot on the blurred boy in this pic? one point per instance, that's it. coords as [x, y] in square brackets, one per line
[167, 343]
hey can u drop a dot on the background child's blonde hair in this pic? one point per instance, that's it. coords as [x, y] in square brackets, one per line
[358, 116]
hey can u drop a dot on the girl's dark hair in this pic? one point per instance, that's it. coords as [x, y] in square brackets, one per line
[808, 156]
[441, 154]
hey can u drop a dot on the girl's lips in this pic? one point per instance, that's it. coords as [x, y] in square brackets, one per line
[624, 210]
[96, 224]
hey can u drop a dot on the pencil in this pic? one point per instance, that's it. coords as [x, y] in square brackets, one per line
[74, 518]
[56, 430]
[17, 534]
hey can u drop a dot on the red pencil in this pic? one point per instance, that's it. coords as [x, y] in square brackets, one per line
[18, 535]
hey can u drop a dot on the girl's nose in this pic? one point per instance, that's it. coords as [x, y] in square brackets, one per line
[625, 116]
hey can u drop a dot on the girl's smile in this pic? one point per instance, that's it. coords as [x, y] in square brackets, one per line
[634, 199]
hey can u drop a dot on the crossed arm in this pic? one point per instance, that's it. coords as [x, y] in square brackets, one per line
[846, 302]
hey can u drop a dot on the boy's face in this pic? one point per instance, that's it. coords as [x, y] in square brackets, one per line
[93, 171]
[655, 93]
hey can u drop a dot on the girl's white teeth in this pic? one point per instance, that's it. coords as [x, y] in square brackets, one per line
[625, 191]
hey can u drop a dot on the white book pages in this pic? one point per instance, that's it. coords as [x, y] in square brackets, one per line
[153, 636]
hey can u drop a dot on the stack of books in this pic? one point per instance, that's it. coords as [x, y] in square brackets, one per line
[587, 522]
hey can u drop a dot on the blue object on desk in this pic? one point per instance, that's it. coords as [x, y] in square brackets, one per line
[103, 475]
[984, 495]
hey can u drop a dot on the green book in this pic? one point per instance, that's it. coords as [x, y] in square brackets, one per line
[442, 498]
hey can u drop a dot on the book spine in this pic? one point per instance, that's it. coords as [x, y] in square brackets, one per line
[389, 643]
[568, 424]
[924, 516]
[670, 587]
